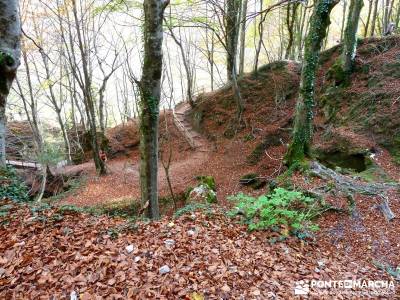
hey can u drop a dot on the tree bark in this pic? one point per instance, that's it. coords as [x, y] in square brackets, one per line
[87, 95]
[10, 52]
[231, 34]
[368, 18]
[150, 88]
[290, 20]
[243, 37]
[303, 125]
[350, 36]
[374, 17]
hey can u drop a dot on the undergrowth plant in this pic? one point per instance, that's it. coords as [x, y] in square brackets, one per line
[291, 210]
[12, 186]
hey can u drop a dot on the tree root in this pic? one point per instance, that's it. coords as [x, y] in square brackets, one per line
[350, 186]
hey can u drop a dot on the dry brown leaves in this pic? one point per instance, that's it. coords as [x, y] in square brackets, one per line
[48, 257]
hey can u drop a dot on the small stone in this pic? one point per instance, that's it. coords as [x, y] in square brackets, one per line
[136, 259]
[169, 243]
[73, 295]
[171, 224]
[191, 232]
[164, 270]
[129, 248]
[233, 269]
[256, 293]
[321, 264]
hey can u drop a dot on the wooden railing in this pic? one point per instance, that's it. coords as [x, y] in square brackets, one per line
[24, 164]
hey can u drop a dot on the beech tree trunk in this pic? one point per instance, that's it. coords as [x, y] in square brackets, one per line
[150, 88]
[368, 18]
[303, 125]
[231, 34]
[10, 52]
[242, 37]
[374, 17]
[350, 36]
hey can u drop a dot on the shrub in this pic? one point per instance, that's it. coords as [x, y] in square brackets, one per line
[12, 186]
[282, 208]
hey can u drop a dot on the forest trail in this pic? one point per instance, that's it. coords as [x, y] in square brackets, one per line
[195, 139]
[122, 181]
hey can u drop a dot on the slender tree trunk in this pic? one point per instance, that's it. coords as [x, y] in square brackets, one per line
[243, 37]
[150, 88]
[231, 34]
[350, 36]
[343, 20]
[303, 125]
[301, 33]
[290, 20]
[385, 19]
[87, 95]
[396, 22]
[368, 18]
[188, 70]
[374, 17]
[10, 52]
[260, 33]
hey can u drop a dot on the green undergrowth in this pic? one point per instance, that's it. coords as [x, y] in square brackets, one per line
[291, 210]
[12, 186]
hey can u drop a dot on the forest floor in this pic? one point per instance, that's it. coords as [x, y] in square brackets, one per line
[53, 251]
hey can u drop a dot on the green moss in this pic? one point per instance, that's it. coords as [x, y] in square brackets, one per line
[207, 180]
[337, 74]
[331, 102]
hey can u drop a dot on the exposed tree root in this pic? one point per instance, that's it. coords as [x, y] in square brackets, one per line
[349, 186]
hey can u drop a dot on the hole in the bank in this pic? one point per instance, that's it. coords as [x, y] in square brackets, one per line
[356, 162]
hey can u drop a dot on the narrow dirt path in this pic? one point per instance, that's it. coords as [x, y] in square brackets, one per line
[195, 140]
[122, 181]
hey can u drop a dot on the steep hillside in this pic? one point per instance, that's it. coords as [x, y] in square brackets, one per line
[363, 114]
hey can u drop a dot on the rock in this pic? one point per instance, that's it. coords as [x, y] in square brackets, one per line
[129, 248]
[191, 232]
[169, 243]
[164, 270]
[202, 193]
[136, 259]
[73, 296]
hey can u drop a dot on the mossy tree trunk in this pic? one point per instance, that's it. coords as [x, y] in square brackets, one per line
[10, 52]
[150, 88]
[303, 126]
[350, 36]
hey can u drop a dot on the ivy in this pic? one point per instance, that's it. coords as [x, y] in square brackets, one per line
[303, 129]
